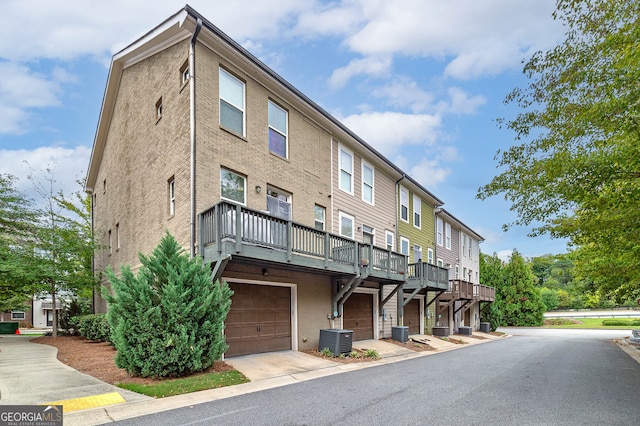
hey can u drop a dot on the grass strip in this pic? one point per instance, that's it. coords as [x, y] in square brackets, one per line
[588, 323]
[195, 383]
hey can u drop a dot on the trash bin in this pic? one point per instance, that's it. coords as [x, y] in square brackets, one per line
[8, 327]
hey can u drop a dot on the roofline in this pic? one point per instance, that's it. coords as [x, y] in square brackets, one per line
[117, 66]
[462, 225]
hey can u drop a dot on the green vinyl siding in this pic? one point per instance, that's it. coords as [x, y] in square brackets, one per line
[424, 236]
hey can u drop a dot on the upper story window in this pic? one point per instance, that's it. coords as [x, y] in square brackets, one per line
[464, 245]
[278, 130]
[159, 109]
[117, 236]
[404, 205]
[439, 231]
[367, 182]
[346, 170]
[319, 214]
[404, 246]
[279, 203]
[469, 248]
[457, 272]
[389, 238]
[346, 225]
[417, 211]
[447, 235]
[184, 73]
[232, 94]
[430, 255]
[171, 189]
[233, 187]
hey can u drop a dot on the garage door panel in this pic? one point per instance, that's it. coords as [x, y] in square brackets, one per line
[259, 319]
[358, 315]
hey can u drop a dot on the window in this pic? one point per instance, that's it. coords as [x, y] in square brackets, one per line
[464, 245]
[346, 225]
[368, 234]
[171, 187]
[184, 73]
[232, 186]
[17, 315]
[346, 170]
[159, 109]
[279, 203]
[464, 273]
[439, 227]
[367, 183]
[389, 238]
[404, 205]
[104, 186]
[404, 246]
[469, 248]
[417, 211]
[232, 93]
[117, 236]
[110, 246]
[278, 122]
[417, 253]
[319, 213]
[440, 263]
[447, 235]
[457, 272]
[430, 256]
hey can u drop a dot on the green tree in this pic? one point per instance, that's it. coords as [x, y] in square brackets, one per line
[491, 271]
[17, 223]
[575, 170]
[520, 301]
[62, 245]
[550, 298]
[167, 320]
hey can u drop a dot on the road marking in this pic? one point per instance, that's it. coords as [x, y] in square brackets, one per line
[89, 402]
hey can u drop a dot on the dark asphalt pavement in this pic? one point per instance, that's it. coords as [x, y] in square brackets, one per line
[553, 379]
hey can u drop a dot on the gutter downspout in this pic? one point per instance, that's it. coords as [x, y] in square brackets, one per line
[192, 125]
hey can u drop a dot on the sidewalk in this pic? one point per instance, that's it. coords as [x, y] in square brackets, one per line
[31, 374]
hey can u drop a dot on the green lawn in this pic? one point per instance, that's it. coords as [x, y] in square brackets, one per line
[195, 383]
[588, 323]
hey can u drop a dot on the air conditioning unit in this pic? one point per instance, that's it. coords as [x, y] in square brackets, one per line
[336, 340]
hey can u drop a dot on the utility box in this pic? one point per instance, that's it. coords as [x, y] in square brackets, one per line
[441, 331]
[465, 331]
[8, 327]
[400, 333]
[485, 327]
[336, 340]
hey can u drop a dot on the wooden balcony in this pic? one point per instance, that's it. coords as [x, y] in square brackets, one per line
[464, 290]
[426, 276]
[230, 230]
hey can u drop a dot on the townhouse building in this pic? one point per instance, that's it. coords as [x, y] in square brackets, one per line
[299, 215]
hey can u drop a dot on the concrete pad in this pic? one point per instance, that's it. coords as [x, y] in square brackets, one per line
[276, 364]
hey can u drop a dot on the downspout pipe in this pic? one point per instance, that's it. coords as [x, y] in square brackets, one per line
[192, 125]
[400, 294]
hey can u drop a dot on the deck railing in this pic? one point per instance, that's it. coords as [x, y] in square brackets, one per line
[231, 222]
[428, 272]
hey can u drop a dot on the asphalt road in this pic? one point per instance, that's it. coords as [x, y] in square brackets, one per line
[533, 378]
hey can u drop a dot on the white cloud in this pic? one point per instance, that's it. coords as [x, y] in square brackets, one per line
[67, 165]
[429, 172]
[460, 102]
[389, 131]
[374, 66]
[20, 90]
[403, 92]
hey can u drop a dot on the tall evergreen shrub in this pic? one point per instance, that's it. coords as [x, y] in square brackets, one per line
[167, 320]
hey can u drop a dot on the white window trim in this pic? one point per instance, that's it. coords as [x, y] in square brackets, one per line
[373, 181]
[286, 134]
[388, 234]
[417, 202]
[13, 318]
[447, 235]
[244, 101]
[172, 196]
[439, 232]
[324, 216]
[430, 255]
[440, 263]
[417, 248]
[366, 229]
[457, 272]
[405, 191]
[403, 240]
[342, 215]
[244, 178]
[340, 149]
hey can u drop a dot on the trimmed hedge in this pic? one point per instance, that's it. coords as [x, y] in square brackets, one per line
[621, 322]
[93, 327]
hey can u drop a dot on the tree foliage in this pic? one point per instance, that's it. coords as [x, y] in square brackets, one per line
[575, 170]
[518, 300]
[167, 320]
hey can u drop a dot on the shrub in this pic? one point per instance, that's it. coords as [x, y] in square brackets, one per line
[93, 327]
[75, 308]
[167, 321]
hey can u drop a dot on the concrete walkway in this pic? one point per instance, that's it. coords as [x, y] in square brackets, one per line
[31, 374]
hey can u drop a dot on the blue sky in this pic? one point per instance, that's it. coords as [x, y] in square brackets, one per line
[422, 81]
